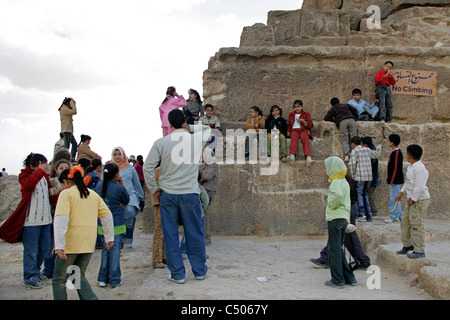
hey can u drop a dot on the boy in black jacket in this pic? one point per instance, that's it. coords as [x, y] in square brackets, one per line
[344, 116]
[395, 177]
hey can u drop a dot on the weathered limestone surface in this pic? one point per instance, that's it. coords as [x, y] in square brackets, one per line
[321, 51]
[240, 78]
[292, 201]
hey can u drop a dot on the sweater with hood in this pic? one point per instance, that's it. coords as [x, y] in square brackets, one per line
[338, 202]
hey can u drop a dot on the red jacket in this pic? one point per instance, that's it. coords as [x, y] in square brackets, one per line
[303, 115]
[11, 230]
[381, 79]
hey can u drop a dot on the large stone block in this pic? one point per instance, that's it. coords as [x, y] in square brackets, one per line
[314, 23]
[285, 25]
[257, 35]
[322, 4]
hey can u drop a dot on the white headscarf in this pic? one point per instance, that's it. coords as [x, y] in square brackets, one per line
[208, 156]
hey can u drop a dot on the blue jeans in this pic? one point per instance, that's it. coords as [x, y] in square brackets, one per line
[362, 187]
[339, 268]
[393, 192]
[37, 244]
[49, 263]
[130, 221]
[110, 264]
[186, 206]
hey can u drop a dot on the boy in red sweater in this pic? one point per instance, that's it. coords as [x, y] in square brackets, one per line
[383, 81]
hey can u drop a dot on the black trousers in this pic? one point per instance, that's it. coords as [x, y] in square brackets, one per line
[351, 243]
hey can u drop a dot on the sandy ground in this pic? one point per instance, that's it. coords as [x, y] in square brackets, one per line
[239, 268]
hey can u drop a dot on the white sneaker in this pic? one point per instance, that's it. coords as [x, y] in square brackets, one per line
[292, 157]
[361, 219]
[308, 159]
[181, 281]
[102, 284]
[390, 220]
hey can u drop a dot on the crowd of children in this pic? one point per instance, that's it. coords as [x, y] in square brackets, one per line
[106, 200]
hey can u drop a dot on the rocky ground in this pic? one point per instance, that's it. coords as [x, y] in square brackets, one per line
[240, 268]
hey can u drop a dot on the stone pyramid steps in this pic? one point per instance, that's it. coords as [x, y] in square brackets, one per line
[431, 273]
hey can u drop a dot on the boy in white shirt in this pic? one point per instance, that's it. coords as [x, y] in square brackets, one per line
[418, 200]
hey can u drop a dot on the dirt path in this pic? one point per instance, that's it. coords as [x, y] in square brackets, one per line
[239, 268]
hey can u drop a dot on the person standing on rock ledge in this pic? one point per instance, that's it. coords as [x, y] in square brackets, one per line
[66, 112]
[171, 102]
[383, 81]
[415, 187]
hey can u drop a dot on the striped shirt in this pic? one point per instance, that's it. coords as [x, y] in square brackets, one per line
[360, 164]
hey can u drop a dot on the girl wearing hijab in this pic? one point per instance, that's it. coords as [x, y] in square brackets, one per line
[131, 182]
[338, 216]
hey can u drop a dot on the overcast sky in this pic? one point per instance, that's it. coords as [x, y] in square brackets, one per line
[116, 58]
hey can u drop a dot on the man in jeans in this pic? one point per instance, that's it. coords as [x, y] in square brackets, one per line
[179, 156]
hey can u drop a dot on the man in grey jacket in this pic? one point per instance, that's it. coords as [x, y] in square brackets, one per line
[179, 156]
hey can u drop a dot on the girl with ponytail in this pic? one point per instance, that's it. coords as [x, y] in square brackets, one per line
[171, 102]
[32, 220]
[92, 174]
[85, 154]
[75, 229]
[116, 198]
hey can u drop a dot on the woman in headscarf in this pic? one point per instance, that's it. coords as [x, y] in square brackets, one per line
[338, 216]
[131, 182]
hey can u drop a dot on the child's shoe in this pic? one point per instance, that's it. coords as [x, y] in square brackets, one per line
[416, 255]
[361, 219]
[405, 250]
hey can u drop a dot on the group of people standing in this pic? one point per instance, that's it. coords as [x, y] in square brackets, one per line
[66, 205]
[66, 209]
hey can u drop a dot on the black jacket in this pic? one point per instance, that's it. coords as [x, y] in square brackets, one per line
[280, 123]
[395, 168]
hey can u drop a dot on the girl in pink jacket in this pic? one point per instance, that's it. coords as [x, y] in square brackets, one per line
[171, 102]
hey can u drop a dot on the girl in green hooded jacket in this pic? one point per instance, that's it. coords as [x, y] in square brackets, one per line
[337, 217]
